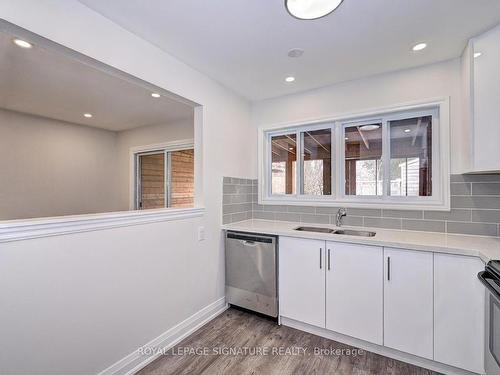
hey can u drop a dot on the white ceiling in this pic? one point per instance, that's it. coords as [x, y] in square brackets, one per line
[49, 84]
[243, 44]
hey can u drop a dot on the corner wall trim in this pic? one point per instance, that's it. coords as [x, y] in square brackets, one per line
[135, 361]
[16, 230]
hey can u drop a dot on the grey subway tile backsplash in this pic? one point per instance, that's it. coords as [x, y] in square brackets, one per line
[327, 210]
[371, 212]
[488, 188]
[237, 199]
[381, 222]
[456, 214]
[314, 219]
[264, 215]
[475, 178]
[287, 216]
[486, 216]
[460, 188]
[403, 214]
[491, 202]
[302, 209]
[424, 225]
[479, 229]
[275, 208]
[354, 221]
[475, 209]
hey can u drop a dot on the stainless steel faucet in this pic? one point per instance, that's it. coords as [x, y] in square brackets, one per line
[341, 213]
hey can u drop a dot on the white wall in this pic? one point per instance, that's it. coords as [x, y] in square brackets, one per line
[432, 81]
[53, 168]
[90, 302]
[143, 136]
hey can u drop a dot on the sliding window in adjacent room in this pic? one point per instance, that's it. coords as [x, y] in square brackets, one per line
[165, 179]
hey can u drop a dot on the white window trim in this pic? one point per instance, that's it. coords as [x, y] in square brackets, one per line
[184, 144]
[440, 201]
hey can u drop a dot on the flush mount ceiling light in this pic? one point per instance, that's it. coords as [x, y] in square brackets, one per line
[369, 127]
[87, 115]
[311, 9]
[155, 95]
[22, 43]
[290, 79]
[477, 54]
[407, 130]
[295, 52]
[419, 47]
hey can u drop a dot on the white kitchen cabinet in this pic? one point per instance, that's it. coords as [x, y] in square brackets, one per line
[354, 290]
[302, 280]
[481, 70]
[459, 312]
[408, 301]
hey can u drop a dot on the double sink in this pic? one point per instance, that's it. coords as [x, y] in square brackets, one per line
[347, 232]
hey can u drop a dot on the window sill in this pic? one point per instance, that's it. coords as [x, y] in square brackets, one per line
[375, 204]
[23, 229]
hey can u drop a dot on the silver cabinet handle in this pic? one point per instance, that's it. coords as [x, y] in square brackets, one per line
[388, 268]
[328, 259]
[320, 258]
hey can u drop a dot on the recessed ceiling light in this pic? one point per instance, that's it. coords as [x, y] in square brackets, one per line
[290, 148]
[88, 115]
[155, 95]
[346, 138]
[477, 54]
[22, 43]
[311, 9]
[290, 79]
[295, 52]
[419, 46]
[407, 130]
[369, 127]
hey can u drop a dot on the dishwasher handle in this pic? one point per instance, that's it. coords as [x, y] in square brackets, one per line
[249, 239]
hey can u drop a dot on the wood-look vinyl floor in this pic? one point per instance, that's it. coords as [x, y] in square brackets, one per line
[239, 329]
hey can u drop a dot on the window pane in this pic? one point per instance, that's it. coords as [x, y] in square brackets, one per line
[411, 157]
[152, 181]
[182, 179]
[317, 157]
[363, 160]
[284, 158]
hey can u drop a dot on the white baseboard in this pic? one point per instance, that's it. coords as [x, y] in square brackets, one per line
[135, 361]
[382, 350]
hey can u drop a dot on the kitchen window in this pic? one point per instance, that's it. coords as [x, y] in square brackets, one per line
[397, 158]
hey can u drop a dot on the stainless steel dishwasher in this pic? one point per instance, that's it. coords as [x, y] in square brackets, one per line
[251, 276]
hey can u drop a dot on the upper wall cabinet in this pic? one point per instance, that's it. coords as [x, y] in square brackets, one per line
[482, 69]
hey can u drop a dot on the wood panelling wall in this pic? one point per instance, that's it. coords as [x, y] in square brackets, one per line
[182, 175]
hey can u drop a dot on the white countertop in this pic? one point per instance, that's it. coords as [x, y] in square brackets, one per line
[486, 248]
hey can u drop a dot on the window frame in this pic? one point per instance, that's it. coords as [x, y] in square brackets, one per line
[440, 198]
[297, 130]
[165, 148]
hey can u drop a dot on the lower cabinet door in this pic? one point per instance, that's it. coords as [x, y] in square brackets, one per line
[302, 280]
[459, 300]
[354, 290]
[408, 301]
